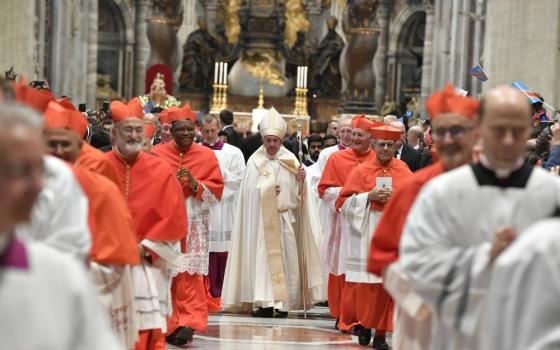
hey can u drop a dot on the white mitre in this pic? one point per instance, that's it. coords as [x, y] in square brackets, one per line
[273, 124]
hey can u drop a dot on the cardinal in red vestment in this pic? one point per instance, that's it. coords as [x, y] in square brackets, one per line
[198, 171]
[339, 165]
[155, 199]
[365, 303]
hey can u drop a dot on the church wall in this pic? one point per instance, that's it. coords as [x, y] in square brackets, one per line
[523, 45]
[18, 39]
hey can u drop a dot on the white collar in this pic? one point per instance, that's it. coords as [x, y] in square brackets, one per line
[501, 173]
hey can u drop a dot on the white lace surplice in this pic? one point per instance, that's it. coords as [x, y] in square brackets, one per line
[194, 260]
[333, 257]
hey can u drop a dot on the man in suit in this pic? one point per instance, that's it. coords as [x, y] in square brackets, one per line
[226, 117]
[405, 152]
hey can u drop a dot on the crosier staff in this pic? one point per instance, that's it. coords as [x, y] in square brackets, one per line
[300, 122]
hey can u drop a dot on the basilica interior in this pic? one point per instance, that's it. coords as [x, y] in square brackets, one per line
[372, 57]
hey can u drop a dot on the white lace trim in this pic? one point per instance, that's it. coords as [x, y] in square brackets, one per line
[195, 259]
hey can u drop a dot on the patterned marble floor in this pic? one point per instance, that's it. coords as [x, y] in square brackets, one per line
[243, 332]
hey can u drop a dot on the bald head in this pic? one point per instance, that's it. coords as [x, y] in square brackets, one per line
[505, 126]
[504, 99]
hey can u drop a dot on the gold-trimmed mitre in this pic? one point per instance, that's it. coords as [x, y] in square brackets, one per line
[273, 124]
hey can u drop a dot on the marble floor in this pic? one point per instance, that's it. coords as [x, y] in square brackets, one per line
[243, 332]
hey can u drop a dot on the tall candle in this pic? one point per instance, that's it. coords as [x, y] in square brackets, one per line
[216, 73]
[298, 84]
[225, 73]
[305, 77]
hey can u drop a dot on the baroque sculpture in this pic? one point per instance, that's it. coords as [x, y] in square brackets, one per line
[199, 54]
[326, 63]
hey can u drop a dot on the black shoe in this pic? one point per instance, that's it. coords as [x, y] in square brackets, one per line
[323, 304]
[280, 314]
[379, 343]
[181, 337]
[336, 323]
[265, 312]
[364, 334]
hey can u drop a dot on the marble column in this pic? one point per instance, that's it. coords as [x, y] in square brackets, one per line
[425, 90]
[93, 13]
[142, 46]
[380, 60]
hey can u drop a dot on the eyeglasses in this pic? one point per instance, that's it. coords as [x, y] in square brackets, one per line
[385, 144]
[130, 131]
[455, 132]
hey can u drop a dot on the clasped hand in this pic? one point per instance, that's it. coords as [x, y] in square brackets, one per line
[380, 194]
[191, 181]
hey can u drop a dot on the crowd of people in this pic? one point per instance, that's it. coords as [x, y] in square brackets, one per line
[124, 229]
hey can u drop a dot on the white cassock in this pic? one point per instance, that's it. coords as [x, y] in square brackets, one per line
[359, 227]
[522, 310]
[51, 305]
[222, 213]
[445, 246]
[60, 215]
[249, 278]
[333, 258]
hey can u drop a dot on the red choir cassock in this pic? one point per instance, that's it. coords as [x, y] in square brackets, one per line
[113, 237]
[189, 291]
[369, 304]
[385, 243]
[339, 165]
[155, 199]
[94, 160]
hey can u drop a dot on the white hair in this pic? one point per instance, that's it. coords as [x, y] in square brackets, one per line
[389, 118]
[14, 114]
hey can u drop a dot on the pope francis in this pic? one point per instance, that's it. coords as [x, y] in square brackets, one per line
[274, 256]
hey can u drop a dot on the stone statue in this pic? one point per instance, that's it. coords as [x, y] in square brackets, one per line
[162, 27]
[299, 55]
[389, 107]
[199, 55]
[362, 32]
[158, 96]
[326, 70]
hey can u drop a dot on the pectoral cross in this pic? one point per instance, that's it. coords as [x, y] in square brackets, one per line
[266, 173]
